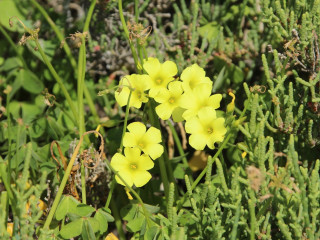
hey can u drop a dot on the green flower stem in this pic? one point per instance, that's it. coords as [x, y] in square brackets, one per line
[136, 14]
[162, 165]
[125, 29]
[125, 121]
[10, 139]
[178, 143]
[204, 171]
[57, 78]
[89, 15]
[62, 185]
[14, 47]
[81, 77]
[57, 32]
[113, 184]
[67, 50]
[117, 219]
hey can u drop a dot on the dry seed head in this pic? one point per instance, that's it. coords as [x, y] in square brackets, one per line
[255, 177]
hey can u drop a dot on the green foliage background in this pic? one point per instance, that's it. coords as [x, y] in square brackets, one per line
[266, 52]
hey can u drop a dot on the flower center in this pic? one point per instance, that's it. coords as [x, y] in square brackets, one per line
[133, 166]
[139, 94]
[141, 145]
[171, 100]
[209, 130]
[159, 81]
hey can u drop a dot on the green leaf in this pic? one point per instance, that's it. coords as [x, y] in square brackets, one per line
[129, 212]
[68, 204]
[56, 129]
[84, 210]
[10, 63]
[72, 229]
[152, 233]
[179, 171]
[150, 208]
[103, 217]
[136, 224]
[217, 84]
[87, 231]
[30, 82]
[38, 128]
[209, 31]
[94, 224]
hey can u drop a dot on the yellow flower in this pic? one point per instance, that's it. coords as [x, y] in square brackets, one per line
[197, 99]
[139, 84]
[132, 167]
[160, 74]
[170, 101]
[205, 129]
[146, 141]
[193, 76]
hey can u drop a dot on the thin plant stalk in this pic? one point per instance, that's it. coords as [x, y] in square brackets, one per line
[58, 79]
[67, 50]
[162, 165]
[126, 32]
[81, 77]
[125, 121]
[178, 144]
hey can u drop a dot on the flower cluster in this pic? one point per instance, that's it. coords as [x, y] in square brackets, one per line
[133, 166]
[187, 99]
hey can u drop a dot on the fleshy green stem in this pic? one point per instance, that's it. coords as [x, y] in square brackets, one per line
[204, 171]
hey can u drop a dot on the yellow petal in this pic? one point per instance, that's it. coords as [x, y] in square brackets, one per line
[132, 154]
[122, 96]
[152, 66]
[118, 162]
[127, 177]
[169, 68]
[163, 96]
[202, 91]
[141, 178]
[164, 110]
[207, 115]
[198, 141]
[130, 140]
[144, 162]
[153, 135]
[154, 150]
[137, 128]
[193, 125]
[215, 100]
[111, 236]
[175, 88]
